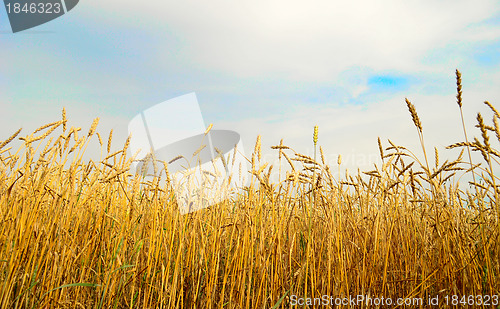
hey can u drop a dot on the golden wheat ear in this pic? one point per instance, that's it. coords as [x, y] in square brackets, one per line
[10, 138]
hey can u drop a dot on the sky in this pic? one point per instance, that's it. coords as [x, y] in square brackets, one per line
[272, 68]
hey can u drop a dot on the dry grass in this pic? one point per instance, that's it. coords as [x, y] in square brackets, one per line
[77, 234]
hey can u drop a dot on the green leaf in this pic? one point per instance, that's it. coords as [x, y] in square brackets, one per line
[280, 300]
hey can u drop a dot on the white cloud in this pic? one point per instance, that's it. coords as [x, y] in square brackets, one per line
[478, 33]
[315, 39]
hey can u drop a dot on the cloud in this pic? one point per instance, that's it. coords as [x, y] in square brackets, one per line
[313, 40]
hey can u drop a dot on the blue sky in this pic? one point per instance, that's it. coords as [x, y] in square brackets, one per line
[274, 68]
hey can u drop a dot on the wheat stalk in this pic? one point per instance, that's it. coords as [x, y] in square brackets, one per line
[208, 129]
[484, 133]
[88, 223]
[110, 137]
[495, 122]
[99, 138]
[493, 109]
[199, 150]
[175, 159]
[10, 138]
[93, 127]
[459, 88]
[64, 119]
[46, 126]
[380, 149]
[414, 115]
[459, 102]
[258, 149]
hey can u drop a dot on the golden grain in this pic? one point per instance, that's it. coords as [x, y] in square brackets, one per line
[175, 159]
[76, 145]
[258, 149]
[199, 150]
[261, 169]
[281, 147]
[10, 138]
[495, 123]
[436, 156]
[208, 129]
[113, 154]
[145, 163]
[459, 87]
[268, 176]
[221, 155]
[46, 126]
[234, 155]
[165, 167]
[493, 109]
[380, 149]
[75, 133]
[55, 126]
[414, 115]
[127, 143]
[93, 127]
[110, 137]
[100, 139]
[315, 135]
[484, 132]
[64, 119]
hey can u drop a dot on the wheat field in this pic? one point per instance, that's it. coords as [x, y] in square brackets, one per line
[91, 234]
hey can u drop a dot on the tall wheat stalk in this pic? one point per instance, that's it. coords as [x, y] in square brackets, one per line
[76, 234]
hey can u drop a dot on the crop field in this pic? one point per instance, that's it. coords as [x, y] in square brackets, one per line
[78, 233]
